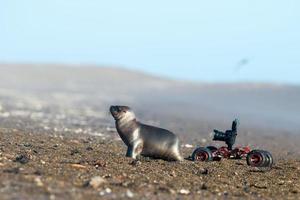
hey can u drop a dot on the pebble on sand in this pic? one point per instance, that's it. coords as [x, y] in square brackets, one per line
[104, 192]
[38, 181]
[97, 181]
[78, 166]
[23, 159]
[129, 194]
[188, 146]
[184, 191]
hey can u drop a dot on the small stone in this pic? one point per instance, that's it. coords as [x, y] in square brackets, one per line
[27, 145]
[294, 191]
[23, 159]
[89, 149]
[78, 166]
[204, 171]
[52, 197]
[260, 186]
[100, 163]
[184, 192]
[281, 182]
[173, 173]
[188, 146]
[203, 187]
[74, 151]
[125, 184]
[135, 163]
[38, 181]
[104, 192]
[38, 173]
[246, 188]
[107, 176]
[167, 189]
[108, 190]
[129, 194]
[97, 181]
[171, 191]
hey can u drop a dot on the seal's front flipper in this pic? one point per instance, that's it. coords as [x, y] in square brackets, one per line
[137, 148]
[129, 152]
[134, 150]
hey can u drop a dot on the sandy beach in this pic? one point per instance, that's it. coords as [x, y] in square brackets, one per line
[58, 140]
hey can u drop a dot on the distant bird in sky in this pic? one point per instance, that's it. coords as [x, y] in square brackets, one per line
[241, 64]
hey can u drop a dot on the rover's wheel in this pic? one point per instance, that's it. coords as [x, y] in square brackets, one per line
[212, 148]
[202, 154]
[257, 158]
[269, 161]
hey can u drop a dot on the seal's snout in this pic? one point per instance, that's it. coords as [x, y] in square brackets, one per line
[115, 111]
[112, 109]
[119, 112]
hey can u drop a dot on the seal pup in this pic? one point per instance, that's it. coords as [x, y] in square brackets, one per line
[142, 139]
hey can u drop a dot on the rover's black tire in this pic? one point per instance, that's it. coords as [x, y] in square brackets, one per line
[202, 154]
[212, 148]
[258, 158]
[269, 161]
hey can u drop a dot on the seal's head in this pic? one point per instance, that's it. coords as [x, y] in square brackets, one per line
[122, 113]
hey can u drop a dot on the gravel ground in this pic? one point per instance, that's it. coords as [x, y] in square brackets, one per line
[53, 166]
[58, 141]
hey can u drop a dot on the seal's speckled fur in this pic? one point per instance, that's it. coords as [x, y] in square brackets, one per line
[144, 139]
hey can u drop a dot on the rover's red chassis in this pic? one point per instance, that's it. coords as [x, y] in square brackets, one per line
[255, 158]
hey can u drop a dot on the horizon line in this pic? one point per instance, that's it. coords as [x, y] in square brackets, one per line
[147, 73]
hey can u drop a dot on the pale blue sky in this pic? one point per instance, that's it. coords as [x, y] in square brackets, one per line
[232, 40]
